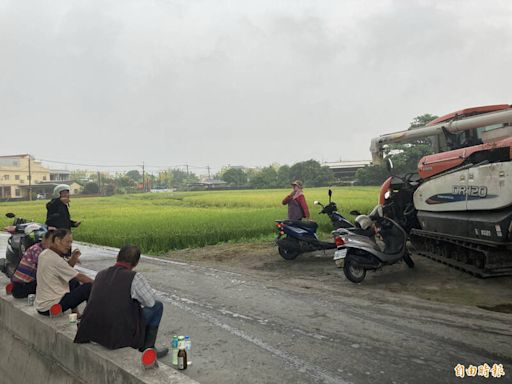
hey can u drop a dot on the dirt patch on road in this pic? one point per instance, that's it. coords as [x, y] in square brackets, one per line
[429, 280]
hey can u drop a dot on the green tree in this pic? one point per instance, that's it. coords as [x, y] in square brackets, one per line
[422, 120]
[235, 176]
[91, 189]
[312, 173]
[109, 188]
[181, 179]
[283, 176]
[134, 175]
[126, 182]
[372, 175]
[165, 179]
[265, 178]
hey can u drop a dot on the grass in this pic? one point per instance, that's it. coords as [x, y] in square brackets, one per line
[160, 222]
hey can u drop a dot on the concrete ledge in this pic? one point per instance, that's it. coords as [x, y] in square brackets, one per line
[37, 349]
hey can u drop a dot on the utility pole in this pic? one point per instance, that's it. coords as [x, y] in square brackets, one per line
[186, 165]
[29, 180]
[209, 176]
[143, 178]
[99, 183]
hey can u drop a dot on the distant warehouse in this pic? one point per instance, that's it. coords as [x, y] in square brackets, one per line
[345, 171]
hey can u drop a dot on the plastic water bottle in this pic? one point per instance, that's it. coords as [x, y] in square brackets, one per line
[174, 350]
[188, 346]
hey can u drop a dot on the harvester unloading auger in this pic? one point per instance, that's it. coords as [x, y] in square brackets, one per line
[458, 208]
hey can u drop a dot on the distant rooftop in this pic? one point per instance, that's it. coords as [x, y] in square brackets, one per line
[348, 164]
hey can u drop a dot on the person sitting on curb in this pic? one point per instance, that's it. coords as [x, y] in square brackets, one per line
[57, 281]
[24, 278]
[122, 310]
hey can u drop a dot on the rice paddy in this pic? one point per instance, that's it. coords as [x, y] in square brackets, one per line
[159, 222]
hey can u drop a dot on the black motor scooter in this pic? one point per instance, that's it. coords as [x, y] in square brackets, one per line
[331, 210]
[19, 242]
[300, 235]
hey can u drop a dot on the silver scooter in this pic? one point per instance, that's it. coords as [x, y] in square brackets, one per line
[359, 251]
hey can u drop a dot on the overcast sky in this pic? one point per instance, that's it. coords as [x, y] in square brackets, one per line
[171, 82]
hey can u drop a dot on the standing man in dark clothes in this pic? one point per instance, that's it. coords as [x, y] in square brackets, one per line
[57, 214]
[122, 310]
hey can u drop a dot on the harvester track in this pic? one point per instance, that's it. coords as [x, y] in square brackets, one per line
[478, 259]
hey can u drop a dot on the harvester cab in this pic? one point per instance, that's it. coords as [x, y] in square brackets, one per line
[458, 207]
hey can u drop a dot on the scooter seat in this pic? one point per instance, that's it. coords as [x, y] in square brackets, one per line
[360, 231]
[306, 224]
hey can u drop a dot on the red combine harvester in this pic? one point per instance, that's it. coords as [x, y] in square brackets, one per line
[458, 207]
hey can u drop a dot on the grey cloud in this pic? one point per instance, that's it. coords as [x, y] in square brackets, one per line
[171, 82]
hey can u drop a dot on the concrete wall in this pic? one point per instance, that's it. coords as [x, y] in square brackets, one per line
[36, 349]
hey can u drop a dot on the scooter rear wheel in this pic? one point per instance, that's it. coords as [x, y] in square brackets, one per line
[353, 272]
[288, 254]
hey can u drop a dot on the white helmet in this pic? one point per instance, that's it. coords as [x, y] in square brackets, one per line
[35, 232]
[31, 228]
[364, 221]
[59, 188]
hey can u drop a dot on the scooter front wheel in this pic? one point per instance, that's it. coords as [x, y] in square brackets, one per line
[288, 254]
[408, 260]
[354, 272]
[8, 269]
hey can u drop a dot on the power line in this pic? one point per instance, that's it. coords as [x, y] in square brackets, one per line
[126, 165]
[89, 165]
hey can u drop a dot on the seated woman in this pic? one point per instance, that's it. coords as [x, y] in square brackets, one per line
[24, 278]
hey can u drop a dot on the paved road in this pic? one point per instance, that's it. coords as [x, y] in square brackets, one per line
[246, 328]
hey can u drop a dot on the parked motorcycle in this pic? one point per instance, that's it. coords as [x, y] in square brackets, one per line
[300, 235]
[24, 234]
[331, 210]
[359, 251]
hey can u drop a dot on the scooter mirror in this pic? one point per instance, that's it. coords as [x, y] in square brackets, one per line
[10, 215]
[330, 193]
[376, 212]
[355, 213]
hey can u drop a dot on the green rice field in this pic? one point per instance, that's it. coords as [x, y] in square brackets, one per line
[159, 222]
